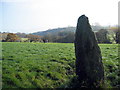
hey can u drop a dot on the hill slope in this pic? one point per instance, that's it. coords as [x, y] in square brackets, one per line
[65, 29]
[55, 31]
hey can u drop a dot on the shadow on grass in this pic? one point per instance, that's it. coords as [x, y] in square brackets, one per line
[74, 83]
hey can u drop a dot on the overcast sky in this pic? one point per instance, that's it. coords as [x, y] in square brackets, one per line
[37, 15]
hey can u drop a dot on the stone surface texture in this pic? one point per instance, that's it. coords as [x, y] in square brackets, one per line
[89, 66]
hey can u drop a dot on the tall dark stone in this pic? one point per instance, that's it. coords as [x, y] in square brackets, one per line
[89, 67]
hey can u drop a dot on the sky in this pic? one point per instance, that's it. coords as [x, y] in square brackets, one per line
[29, 16]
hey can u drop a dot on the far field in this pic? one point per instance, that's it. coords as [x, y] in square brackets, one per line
[50, 65]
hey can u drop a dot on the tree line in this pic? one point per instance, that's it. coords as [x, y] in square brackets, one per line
[103, 36]
[21, 37]
[110, 35]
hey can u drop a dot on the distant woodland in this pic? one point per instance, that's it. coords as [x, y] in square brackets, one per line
[62, 35]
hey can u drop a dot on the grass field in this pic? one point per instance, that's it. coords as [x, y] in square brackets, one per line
[50, 65]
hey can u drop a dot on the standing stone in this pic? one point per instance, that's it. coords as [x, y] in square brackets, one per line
[89, 67]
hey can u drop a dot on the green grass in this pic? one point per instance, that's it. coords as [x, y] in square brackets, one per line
[49, 65]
